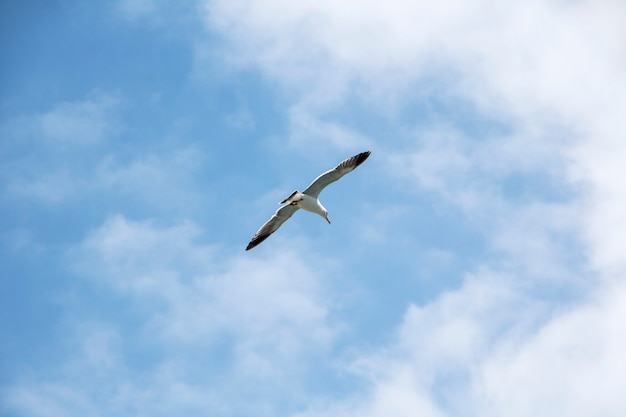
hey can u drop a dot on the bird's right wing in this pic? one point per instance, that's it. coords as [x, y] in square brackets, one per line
[330, 176]
[280, 217]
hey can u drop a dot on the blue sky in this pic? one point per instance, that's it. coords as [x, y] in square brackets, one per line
[474, 264]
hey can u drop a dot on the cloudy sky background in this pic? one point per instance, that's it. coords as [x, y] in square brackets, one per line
[475, 264]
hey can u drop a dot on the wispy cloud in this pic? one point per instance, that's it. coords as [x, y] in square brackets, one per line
[160, 180]
[53, 149]
[486, 349]
[73, 152]
[189, 300]
[133, 9]
[79, 123]
[315, 135]
[203, 296]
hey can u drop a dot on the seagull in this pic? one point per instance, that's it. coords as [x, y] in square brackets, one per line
[307, 199]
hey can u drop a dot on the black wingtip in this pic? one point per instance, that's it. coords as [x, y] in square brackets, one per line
[256, 240]
[360, 158]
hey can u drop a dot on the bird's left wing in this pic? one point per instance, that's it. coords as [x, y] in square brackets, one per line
[280, 217]
[334, 174]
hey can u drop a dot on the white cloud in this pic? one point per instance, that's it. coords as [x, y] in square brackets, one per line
[250, 299]
[53, 187]
[486, 349]
[47, 400]
[153, 179]
[86, 122]
[572, 366]
[72, 152]
[428, 369]
[374, 40]
[549, 72]
[54, 149]
[316, 135]
[133, 9]
[100, 377]
[189, 300]
[532, 229]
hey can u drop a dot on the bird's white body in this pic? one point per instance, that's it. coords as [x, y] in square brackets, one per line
[308, 203]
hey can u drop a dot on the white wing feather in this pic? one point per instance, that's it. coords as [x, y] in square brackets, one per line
[334, 174]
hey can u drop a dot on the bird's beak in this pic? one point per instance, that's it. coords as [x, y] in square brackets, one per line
[327, 219]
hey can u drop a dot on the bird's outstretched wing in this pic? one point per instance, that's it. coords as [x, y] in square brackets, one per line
[280, 217]
[334, 174]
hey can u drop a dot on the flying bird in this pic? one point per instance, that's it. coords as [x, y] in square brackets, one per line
[307, 199]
